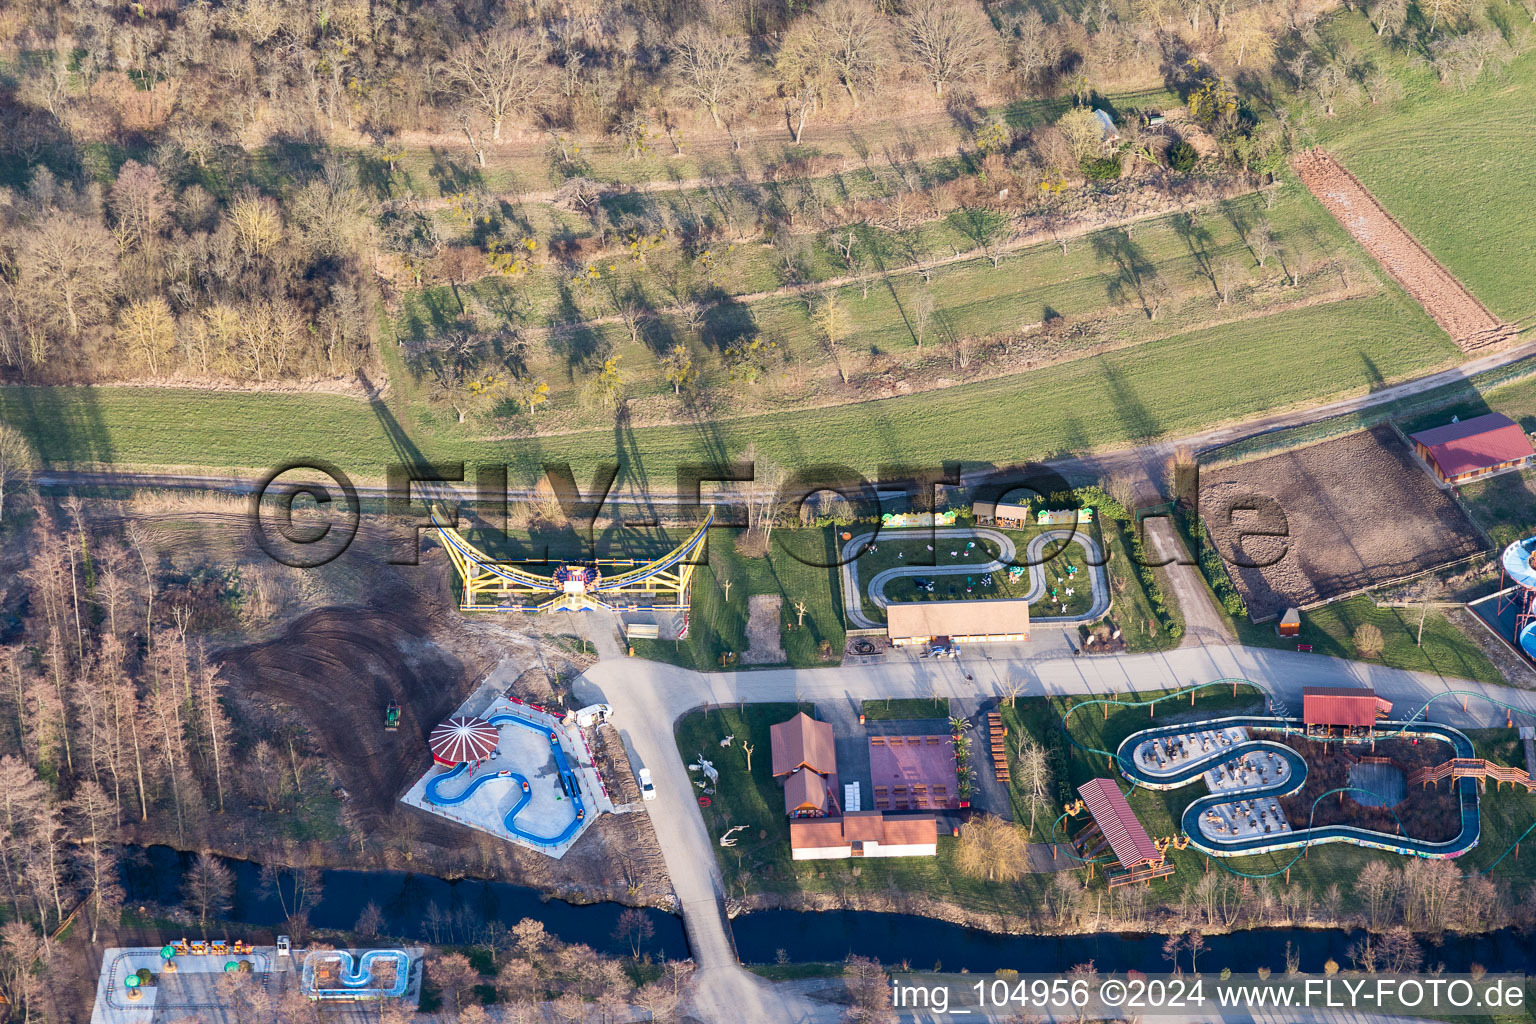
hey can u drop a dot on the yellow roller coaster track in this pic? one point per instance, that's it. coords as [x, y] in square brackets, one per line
[490, 585]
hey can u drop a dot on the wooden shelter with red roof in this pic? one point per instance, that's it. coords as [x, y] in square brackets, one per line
[1352, 707]
[1116, 825]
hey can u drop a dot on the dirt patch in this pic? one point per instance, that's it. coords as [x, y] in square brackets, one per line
[1355, 512]
[1465, 319]
[339, 668]
[333, 671]
[764, 638]
[1431, 813]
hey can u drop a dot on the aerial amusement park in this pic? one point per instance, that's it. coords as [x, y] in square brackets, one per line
[1344, 771]
[489, 584]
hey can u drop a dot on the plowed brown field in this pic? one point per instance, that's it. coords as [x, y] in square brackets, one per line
[1458, 311]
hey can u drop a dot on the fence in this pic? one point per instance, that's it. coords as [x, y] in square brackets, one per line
[1473, 768]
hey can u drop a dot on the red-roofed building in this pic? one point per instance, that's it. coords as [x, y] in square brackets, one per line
[1474, 448]
[1129, 841]
[802, 742]
[808, 795]
[863, 834]
[1350, 706]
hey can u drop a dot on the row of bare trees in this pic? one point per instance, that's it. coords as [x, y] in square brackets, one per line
[114, 729]
[152, 279]
[540, 975]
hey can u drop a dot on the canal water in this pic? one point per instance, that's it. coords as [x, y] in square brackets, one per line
[924, 944]
[417, 908]
[423, 908]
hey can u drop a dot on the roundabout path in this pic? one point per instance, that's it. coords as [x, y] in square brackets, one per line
[1034, 558]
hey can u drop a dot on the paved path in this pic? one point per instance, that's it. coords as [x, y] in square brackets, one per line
[1034, 558]
[648, 697]
[1203, 621]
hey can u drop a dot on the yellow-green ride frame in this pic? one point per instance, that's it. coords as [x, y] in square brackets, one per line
[489, 585]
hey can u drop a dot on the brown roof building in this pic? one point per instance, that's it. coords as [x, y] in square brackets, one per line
[1000, 513]
[808, 795]
[1474, 448]
[921, 622]
[802, 742]
[863, 834]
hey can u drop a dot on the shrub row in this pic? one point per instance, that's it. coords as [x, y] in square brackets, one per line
[1150, 583]
[1215, 571]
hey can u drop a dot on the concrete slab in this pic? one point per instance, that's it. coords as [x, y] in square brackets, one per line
[200, 987]
[527, 752]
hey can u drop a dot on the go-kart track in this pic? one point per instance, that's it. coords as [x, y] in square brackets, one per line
[1034, 558]
[567, 783]
[1287, 782]
[537, 787]
[355, 975]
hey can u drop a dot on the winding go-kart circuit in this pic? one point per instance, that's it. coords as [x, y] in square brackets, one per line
[567, 782]
[1292, 781]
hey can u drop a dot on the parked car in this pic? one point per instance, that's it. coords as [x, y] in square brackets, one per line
[647, 787]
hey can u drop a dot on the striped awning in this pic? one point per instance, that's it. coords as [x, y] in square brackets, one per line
[463, 739]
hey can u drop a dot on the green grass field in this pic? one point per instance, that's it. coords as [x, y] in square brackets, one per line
[1153, 390]
[1453, 169]
[718, 626]
[1096, 281]
[905, 709]
[1446, 650]
[1505, 505]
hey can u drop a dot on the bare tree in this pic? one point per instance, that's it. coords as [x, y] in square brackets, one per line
[16, 463]
[68, 272]
[95, 815]
[1389, 16]
[856, 42]
[832, 325]
[950, 41]
[371, 921]
[1035, 777]
[502, 73]
[922, 315]
[1228, 270]
[1376, 885]
[208, 888]
[711, 68]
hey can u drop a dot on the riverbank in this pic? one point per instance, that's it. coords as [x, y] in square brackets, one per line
[406, 905]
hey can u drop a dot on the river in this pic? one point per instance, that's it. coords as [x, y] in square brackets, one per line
[153, 875]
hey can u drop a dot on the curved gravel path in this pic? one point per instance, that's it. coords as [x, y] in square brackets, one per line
[1098, 575]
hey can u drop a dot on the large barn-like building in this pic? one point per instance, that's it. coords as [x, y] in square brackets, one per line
[864, 834]
[1350, 707]
[805, 757]
[1478, 447]
[964, 622]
